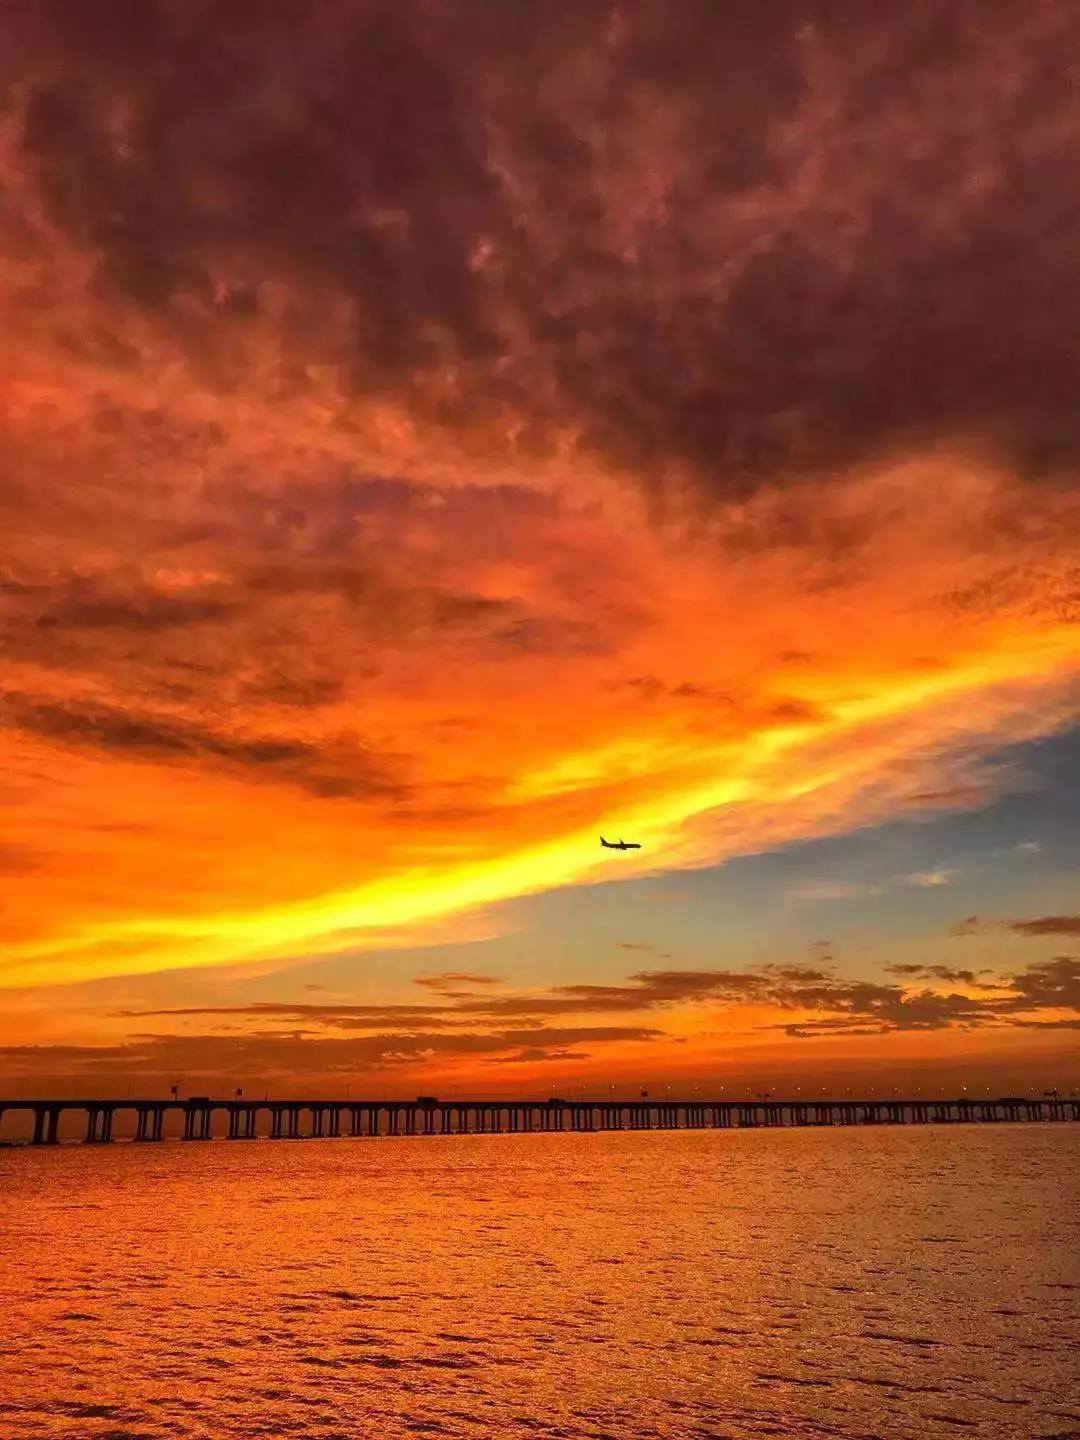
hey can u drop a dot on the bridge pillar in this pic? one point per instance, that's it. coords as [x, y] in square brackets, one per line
[196, 1123]
[46, 1124]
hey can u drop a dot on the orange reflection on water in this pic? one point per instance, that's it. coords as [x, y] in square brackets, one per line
[743, 1283]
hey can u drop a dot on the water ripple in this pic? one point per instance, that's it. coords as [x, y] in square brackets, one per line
[606, 1287]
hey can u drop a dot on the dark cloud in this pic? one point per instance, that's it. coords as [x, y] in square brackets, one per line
[325, 770]
[813, 1029]
[537, 1053]
[268, 1054]
[664, 985]
[1041, 925]
[449, 980]
[935, 972]
[551, 635]
[890, 1005]
[294, 692]
[579, 1035]
[807, 233]
[648, 990]
[970, 925]
[649, 687]
[81, 604]
[1054, 984]
[1046, 925]
[800, 973]
[784, 711]
[367, 587]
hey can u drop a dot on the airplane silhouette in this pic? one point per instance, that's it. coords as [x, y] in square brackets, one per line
[619, 844]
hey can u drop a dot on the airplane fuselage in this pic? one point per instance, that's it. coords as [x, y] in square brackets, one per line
[619, 844]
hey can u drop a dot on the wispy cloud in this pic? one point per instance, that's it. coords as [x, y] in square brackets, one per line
[929, 879]
[450, 982]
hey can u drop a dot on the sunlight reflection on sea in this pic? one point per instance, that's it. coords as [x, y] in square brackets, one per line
[851, 1283]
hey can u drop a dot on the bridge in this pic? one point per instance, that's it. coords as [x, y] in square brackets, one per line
[304, 1119]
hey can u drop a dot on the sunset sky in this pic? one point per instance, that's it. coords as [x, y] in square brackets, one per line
[436, 433]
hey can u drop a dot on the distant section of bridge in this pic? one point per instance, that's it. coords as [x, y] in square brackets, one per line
[304, 1119]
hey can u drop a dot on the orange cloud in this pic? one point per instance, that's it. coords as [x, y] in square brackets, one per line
[342, 599]
[173, 821]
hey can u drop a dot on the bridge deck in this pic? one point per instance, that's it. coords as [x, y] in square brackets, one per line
[296, 1119]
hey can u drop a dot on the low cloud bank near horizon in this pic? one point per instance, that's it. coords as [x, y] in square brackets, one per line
[798, 1002]
[1042, 985]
